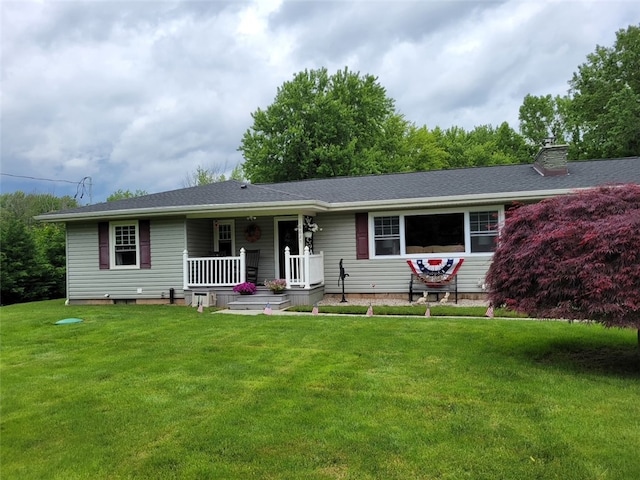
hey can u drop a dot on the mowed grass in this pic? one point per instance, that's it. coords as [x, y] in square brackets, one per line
[165, 392]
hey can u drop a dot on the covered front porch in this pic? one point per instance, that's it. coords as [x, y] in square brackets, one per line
[276, 247]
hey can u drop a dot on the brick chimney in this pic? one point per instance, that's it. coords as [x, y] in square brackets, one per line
[551, 160]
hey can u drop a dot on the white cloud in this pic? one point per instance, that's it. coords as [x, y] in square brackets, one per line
[137, 94]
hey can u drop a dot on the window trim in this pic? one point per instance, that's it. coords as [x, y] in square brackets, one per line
[112, 244]
[403, 213]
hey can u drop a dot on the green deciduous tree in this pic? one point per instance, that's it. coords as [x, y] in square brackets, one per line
[543, 117]
[203, 176]
[483, 146]
[605, 107]
[122, 194]
[423, 150]
[322, 125]
[600, 115]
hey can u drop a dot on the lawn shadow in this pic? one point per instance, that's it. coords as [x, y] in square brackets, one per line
[584, 356]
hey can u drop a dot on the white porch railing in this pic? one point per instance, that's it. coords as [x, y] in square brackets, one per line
[303, 270]
[213, 271]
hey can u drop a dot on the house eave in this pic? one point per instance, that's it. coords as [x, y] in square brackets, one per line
[451, 201]
[193, 211]
[308, 206]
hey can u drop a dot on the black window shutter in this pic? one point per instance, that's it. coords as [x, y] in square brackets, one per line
[362, 236]
[145, 243]
[103, 245]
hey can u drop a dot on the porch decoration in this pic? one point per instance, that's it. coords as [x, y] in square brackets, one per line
[309, 227]
[252, 233]
[246, 288]
[277, 285]
[342, 276]
[489, 312]
[435, 270]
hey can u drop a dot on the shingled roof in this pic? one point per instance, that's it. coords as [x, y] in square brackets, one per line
[496, 182]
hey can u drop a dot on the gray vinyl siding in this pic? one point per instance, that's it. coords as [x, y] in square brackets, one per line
[389, 275]
[200, 237]
[86, 281]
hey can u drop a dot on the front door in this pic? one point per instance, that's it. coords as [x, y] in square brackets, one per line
[287, 237]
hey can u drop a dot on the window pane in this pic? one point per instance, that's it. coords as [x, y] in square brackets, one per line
[388, 246]
[483, 221]
[387, 226]
[125, 245]
[224, 232]
[387, 235]
[434, 233]
[483, 243]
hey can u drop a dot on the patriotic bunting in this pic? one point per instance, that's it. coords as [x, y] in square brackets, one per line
[435, 269]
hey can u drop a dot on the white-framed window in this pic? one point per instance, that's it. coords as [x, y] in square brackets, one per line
[483, 230]
[125, 245]
[223, 237]
[452, 231]
[387, 235]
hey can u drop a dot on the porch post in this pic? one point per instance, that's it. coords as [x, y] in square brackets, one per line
[287, 266]
[185, 270]
[243, 265]
[307, 264]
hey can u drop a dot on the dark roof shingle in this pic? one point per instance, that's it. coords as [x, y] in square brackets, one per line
[501, 179]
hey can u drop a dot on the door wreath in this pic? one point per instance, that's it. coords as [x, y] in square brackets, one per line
[252, 233]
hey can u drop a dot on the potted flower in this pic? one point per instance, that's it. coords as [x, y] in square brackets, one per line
[277, 285]
[246, 288]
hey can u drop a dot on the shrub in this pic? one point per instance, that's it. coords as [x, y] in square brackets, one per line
[573, 256]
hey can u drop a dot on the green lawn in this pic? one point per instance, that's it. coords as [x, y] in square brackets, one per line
[165, 392]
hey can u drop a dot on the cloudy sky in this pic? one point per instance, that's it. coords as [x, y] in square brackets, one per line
[138, 94]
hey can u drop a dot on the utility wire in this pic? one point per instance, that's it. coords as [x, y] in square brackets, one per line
[81, 187]
[37, 178]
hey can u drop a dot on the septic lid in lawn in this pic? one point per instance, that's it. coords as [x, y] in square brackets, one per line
[65, 321]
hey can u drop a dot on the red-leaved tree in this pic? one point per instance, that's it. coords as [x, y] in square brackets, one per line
[573, 256]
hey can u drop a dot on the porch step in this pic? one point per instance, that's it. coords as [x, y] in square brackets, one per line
[259, 301]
